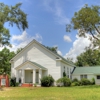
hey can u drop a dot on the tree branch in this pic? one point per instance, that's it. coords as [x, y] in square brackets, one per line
[94, 36]
[96, 29]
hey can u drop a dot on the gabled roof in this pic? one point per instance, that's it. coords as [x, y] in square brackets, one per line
[40, 66]
[33, 63]
[70, 63]
[87, 70]
[56, 54]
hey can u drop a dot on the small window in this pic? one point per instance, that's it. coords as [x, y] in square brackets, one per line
[98, 76]
[83, 76]
[3, 81]
[57, 58]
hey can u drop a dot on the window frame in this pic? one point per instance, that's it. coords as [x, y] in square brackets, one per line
[83, 76]
[98, 77]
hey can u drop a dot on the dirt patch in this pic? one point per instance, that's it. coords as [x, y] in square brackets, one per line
[5, 89]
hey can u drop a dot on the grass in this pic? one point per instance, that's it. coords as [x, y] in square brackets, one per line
[51, 93]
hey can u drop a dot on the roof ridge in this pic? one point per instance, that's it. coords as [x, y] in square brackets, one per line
[47, 49]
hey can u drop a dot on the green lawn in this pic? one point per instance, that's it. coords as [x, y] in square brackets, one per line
[51, 93]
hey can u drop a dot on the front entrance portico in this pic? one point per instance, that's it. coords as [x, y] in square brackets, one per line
[31, 76]
[29, 73]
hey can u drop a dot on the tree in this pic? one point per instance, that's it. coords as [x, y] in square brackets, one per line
[5, 56]
[69, 59]
[88, 58]
[19, 50]
[54, 49]
[11, 15]
[87, 21]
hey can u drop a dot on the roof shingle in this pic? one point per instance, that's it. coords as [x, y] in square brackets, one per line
[87, 70]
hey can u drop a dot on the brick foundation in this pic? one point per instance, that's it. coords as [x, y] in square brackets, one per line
[26, 85]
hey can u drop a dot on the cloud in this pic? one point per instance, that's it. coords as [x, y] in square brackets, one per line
[54, 7]
[59, 52]
[38, 37]
[20, 41]
[28, 2]
[1, 48]
[20, 37]
[78, 47]
[67, 38]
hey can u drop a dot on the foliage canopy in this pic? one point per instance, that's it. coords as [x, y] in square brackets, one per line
[5, 57]
[88, 58]
[87, 21]
[11, 15]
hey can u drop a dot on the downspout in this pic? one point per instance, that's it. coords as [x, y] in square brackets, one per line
[73, 70]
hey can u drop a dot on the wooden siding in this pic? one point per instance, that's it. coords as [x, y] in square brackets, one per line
[39, 55]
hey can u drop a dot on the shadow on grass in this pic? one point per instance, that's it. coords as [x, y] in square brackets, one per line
[88, 86]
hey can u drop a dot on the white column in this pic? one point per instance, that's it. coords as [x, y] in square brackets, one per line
[69, 73]
[23, 76]
[40, 75]
[34, 76]
[17, 76]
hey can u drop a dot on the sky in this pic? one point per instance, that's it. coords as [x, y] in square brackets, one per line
[47, 21]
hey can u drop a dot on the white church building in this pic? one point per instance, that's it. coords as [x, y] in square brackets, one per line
[36, 61]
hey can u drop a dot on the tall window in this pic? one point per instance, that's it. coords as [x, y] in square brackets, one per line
[64, 68]
[67, 70]
[64, 73]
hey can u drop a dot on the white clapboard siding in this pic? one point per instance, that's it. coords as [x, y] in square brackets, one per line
[68, 69]
[39, 55]
[36, 52]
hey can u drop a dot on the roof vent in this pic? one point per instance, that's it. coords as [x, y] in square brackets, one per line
[57, 58]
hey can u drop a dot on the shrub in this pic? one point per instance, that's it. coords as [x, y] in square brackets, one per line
[17, 84]
[75, 80]
[66, 81]
[75, 84]
[92, 81]
[35, 85]
[64, 74]
[85, 82]
[47, 81]
[59, 82]
[13, 81]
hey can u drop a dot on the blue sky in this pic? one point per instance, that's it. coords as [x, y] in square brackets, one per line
[47, 21]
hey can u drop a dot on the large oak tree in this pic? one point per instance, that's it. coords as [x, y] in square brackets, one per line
[87, 21]
[11, 15]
